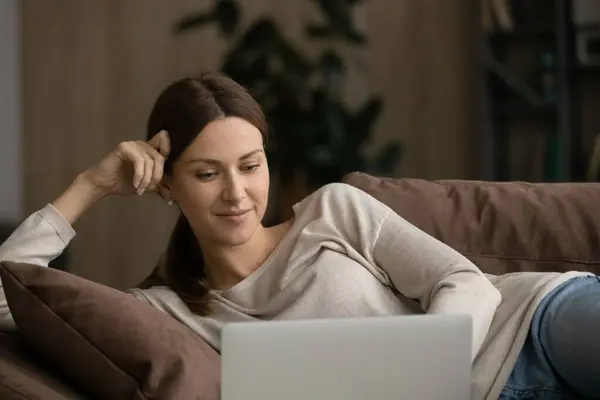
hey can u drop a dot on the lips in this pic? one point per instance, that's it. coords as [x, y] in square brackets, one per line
[233, 213]
[233, 216]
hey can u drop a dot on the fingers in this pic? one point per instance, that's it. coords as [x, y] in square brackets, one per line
[154, 166]
[129, 151]
[161, 142]
[147, 163]
[147, 178]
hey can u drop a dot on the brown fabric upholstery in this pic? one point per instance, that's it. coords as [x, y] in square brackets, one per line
[501, 227]
[106, 341]
[22, 376]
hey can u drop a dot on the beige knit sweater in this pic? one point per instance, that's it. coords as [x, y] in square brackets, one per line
[345, 255]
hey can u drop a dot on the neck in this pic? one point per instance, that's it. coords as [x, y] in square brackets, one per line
[227, 266]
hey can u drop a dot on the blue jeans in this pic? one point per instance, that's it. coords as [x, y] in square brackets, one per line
[561, 357]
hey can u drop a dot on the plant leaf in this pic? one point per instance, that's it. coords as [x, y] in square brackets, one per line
[387, 158]
[336, 127]
[338, 14]
[355, 37]
[194, 21]
[227, 13]
[293, 60]
[362, 123]
[318, 32]
[333, 69]
[260, 34]
[332, 63]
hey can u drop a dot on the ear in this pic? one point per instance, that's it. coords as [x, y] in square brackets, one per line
[165, 188]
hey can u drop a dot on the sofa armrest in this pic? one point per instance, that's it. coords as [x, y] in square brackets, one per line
[24, 377]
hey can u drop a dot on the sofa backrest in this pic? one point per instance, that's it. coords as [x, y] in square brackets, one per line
[501, 227]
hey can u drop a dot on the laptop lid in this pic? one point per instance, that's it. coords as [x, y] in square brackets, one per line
[421, 357]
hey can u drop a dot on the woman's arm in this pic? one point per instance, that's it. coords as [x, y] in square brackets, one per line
[416, 264]
[442, 280]
[45, 234]
[133, 167]
[38, 240]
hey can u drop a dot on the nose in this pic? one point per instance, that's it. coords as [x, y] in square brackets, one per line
[234, 190]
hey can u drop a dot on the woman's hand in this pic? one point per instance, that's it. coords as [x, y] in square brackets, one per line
[133, 167]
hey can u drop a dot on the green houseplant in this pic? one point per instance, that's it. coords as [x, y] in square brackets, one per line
[314, 133]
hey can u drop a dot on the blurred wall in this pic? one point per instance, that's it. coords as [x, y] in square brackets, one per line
[93, 69]
[10, 112]
[424, 59]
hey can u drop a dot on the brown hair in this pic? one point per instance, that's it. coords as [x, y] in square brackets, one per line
[183, 109]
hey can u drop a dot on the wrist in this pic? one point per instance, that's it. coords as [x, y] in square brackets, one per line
[86, 188]
[80, 196]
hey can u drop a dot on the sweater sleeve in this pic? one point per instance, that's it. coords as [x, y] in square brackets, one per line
[442, 280]
[414, 263]
[39, 239]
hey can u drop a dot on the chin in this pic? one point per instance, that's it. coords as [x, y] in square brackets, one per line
[234, 240]
[237, 236]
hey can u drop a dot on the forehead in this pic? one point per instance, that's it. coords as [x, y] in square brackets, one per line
[224, 139]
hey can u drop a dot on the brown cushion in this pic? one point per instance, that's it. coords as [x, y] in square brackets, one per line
[22, 377]
[501, 226]
[108, 342]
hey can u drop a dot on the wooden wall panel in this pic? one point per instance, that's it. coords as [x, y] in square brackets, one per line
[92, 70]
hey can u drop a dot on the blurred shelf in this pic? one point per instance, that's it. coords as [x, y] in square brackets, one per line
[523, 109]
[524, 32]
[586, 69]
[510, 55]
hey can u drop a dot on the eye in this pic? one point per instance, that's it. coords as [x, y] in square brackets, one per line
[250, 168]
[206, 176]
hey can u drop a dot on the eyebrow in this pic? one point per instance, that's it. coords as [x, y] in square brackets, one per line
[212, 161]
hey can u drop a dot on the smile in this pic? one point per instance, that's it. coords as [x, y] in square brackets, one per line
[232, 213]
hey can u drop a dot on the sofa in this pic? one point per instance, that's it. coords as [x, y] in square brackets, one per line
[502, 227]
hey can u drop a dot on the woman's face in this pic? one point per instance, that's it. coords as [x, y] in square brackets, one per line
[221, 182]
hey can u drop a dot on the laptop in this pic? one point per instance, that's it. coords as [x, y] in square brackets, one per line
[424, 357]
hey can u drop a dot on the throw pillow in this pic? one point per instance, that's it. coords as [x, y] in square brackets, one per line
[108, 342]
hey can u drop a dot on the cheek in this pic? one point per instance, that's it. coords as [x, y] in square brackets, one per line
[260, 187]
[191, 195]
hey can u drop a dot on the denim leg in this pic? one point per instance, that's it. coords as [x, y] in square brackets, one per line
[568, 333]
[534, 377]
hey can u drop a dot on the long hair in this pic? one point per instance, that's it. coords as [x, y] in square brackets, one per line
[183, 109]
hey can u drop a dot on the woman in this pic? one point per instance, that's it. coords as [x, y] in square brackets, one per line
[343, 254]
